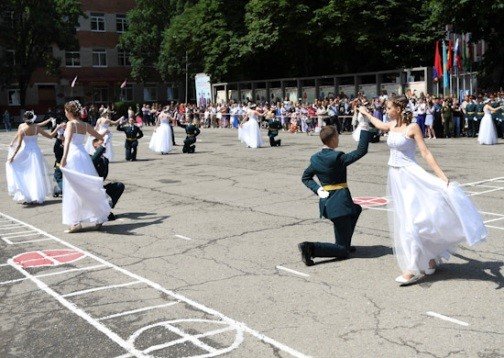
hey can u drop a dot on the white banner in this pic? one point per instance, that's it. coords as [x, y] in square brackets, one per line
[203, 89]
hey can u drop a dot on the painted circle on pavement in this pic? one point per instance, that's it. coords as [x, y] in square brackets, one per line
[47, 258]
[370, 201]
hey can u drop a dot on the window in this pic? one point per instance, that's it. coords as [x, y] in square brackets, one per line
[72, 59]
[121, 24]
[97, 22]
[150, 93]
[14, 97]
[100, 95]
[123, 58]
[127, 93]
[99, 58]
[8, 16]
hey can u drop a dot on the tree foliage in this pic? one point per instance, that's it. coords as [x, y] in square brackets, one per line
[253, 39]
[29, 28]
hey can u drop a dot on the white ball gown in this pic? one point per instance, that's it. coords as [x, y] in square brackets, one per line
[161, 140]
[487, 133]
[27, 176]
[84, 198]
[428, 219]
[109, 150]
[250, 134]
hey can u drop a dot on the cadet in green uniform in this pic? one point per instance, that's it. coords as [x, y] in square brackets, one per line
[273, 126]
[336, 204]
[479, 114]
[496, 116]
[133, 134]
[470, 115]
[191, 133]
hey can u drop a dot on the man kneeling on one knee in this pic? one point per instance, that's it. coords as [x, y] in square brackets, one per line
[115, 189]
[330, 167]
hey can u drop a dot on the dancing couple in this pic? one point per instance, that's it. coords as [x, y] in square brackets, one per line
[430, 214]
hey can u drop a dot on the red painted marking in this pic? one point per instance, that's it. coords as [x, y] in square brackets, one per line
[368, 201]
[47, 258]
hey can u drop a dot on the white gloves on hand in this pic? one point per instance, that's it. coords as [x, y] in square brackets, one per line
[363, 121]
[322, 193]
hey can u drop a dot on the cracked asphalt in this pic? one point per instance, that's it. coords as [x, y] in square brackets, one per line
[244, 212]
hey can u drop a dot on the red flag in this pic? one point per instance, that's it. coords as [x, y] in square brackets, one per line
[124, 84]
[73, 82]
[450, 56]
[438, 67]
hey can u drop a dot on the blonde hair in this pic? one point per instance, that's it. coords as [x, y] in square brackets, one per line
[74, 108]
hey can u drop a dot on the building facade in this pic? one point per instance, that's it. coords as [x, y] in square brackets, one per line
[99, 67]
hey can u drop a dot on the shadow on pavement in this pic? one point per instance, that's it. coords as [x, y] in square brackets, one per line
[470, 270]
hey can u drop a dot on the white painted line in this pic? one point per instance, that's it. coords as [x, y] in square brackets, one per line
[9, 226]
[486, 191]
[292, 271]
[491, 220]
[125, 313]
[86, 268]
[12, 281]
[185, 337]
[113, 336]
[376, 208]
[482, 181]
[83, 292]
[495, 227]
[449, 319]
[8, 234]
[24, 242]
[79, 312]
[20, 235]
[488, 213]
[183, 237]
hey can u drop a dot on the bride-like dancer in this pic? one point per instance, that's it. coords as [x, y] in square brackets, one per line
[249, 132]
[487, 133]
[430, 215]
[84, 198]
[102, 126]
[161, 140]
[26, 171]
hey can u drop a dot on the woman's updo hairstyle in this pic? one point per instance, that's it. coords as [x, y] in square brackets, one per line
[74, 108]
[29, 117]
[401, 102]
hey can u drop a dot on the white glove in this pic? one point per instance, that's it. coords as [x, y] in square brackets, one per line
[53, 121]
[363, 121]
[322, 193]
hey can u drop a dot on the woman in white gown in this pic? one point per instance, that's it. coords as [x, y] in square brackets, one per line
[84, 198]
[102, 126]
[430, 215]
[249, 132]
[487, 133]
[161, 140]
[26, 171]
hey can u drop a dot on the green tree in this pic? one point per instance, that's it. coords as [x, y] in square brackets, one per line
[146, 23]
[30, 28]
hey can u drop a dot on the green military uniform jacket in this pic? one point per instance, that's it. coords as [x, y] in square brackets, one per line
[479, 110]
[470, 110]
[273, 126]
[330, 167]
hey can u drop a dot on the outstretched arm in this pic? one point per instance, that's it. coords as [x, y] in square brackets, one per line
[375, 121]
[362, 149]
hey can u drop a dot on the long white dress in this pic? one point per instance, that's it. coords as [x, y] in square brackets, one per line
[161, 140]
[428, 219]
[109, 150]
[27, 176]
[487, 133]
[249, 133]
[84, 198]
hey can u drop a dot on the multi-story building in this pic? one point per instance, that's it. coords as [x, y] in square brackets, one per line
[100, 66]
